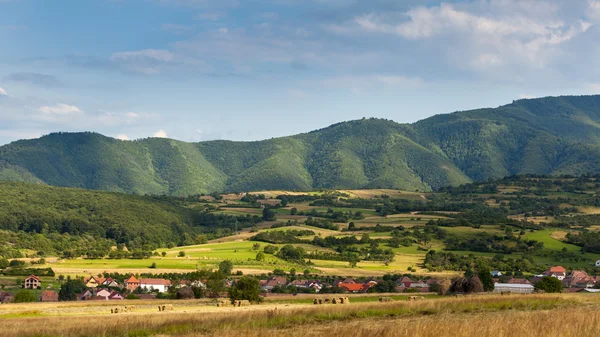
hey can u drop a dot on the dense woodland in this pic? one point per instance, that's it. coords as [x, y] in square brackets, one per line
[555, 135]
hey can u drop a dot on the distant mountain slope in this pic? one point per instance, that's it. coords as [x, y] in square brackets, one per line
[544, 136]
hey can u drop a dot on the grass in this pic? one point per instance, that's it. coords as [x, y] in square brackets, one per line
[435, 317]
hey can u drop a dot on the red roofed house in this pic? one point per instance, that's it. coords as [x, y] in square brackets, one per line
[161, 285]
[132, 283]
[49, 296]
[32, 282]
[557, 272]
[351, 287]
[518, 281]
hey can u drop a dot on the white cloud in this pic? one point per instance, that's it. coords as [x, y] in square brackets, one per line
[160, 134]
[60, 109]
[3, 92]
[122, 137]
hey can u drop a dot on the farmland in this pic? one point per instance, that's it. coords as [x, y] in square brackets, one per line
[530, 315]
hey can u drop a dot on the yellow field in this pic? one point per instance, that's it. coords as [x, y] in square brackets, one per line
[484, 315]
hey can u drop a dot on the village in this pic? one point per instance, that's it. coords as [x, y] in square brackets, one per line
[132, 287]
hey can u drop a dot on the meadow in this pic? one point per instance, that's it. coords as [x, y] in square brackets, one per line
[481, 315]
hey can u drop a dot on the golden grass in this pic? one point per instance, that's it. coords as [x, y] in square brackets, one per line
[486, 315]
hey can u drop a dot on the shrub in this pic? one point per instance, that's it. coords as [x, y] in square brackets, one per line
[549, 285]
[226, 267]
[246, 288]
[24, 296]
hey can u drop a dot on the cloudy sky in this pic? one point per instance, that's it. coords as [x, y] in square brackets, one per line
[254, 69]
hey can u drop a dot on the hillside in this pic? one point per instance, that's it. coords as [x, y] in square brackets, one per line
[556, 135]
[81, 221]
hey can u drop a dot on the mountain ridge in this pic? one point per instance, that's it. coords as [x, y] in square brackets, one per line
[552, 135]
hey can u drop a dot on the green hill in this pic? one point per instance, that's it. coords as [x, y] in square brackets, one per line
[556, 135]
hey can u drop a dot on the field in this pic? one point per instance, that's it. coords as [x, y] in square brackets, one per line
[483, 315]
[361, 209]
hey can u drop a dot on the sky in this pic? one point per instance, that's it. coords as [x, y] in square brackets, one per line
[198, 70]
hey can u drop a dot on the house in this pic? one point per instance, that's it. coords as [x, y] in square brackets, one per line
[109, 282]
[351, 287]
[131, 283]
[115, 295]
[579, 279]
[405, 281]
[513, 288]
[32, 282]
[103, 293]
[556, 272]
[421, 286]
[85, 296]
[93, 282]
[161, 285]
[299, 284]
[49, 296]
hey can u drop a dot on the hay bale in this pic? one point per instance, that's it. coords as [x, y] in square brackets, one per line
[244, 303]
[346, 300]
[168, 307]
[327, 300]
[160, 308]
[334, 301]
[315, 301]
[385, 299]
[320, 301]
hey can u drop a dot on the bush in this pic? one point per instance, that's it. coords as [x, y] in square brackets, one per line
[246, 288]
[226, 267]
[24, 296]
[181, 254]
[549, 285]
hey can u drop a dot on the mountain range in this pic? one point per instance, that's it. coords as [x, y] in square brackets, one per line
[553, 135]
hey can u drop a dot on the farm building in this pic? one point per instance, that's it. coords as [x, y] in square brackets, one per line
[49, 296]
[155, 284]
[513, 288]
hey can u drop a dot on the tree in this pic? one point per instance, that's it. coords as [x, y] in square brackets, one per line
[269, 214]
[216, 284]
[353, 260]
[293, 211]
[201, 239]
[306, 273]
[181, 254]
[291, 253]
[24, 296]
[256, 246]
[70, 289]
[549, 285]
[4, 263]
[246, 288]
[485, 276]
[260, 256]
[226, 267]
[164, 254]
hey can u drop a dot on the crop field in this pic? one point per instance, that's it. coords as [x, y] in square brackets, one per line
[516, 315]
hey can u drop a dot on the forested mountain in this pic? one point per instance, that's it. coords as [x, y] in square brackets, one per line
[556, 135]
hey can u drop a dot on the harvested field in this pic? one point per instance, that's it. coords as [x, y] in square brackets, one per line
[485, 315]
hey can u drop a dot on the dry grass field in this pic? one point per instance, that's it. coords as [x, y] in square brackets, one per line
[485, 315]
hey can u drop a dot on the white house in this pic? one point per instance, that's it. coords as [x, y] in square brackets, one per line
[155, 284]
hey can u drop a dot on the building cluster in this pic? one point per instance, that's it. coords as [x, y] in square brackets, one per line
[573, 282]
[350, 285]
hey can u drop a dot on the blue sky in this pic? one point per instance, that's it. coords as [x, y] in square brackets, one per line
[246, 70]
